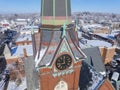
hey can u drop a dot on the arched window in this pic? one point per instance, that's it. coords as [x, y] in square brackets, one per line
[62, 85]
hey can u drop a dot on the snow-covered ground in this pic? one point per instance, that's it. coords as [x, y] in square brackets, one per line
[12, 85]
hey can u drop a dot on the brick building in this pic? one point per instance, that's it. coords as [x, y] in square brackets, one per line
[58, 57]
[107, 54]
[62, 57]
[16, 54]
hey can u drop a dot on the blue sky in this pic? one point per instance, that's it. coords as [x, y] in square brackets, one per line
[21, 6]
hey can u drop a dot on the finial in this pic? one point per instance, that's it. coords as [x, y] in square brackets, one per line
[64, 30]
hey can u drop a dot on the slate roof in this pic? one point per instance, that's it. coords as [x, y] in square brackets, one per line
[48, 57]
[94, 58]
[53, 39]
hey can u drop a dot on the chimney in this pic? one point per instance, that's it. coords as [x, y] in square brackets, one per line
[25, 52]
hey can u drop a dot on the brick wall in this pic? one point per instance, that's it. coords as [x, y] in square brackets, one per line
[107, 54]
[107, 85]
[48, 82]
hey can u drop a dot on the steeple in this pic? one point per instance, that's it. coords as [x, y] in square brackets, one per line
[55, 12]
[57, 54]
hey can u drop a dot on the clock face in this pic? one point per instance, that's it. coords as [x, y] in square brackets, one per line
[63, 62]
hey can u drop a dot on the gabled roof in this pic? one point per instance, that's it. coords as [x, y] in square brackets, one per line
[93, 54]
[107, 85]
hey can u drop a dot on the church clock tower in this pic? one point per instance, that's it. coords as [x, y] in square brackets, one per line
[58, 56]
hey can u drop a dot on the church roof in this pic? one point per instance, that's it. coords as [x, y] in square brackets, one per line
[94, 58]
[50, 42]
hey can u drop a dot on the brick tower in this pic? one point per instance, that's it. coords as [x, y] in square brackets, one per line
[57, 54]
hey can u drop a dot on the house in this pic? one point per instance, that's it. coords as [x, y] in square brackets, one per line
[27, 29]
[106, 49]
[5, 24]
[95, 28]
[16, 54]
[21, 21]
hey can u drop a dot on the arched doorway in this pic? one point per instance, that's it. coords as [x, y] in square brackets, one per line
[62, 85]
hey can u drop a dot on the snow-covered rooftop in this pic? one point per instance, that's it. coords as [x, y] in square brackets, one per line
[37, 60]
[109, 36]
[98, 43]
[20, 19]
[24, 37]
[18, 50]
[92, 25]
[87, 27]
[30, 27]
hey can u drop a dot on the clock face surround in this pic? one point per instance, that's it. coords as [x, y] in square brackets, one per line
[63, 62]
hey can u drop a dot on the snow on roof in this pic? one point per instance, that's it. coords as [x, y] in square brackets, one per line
[19, 19]
[96, 80]
[98, 43]
[4, 22]
[116, 31]
[30, 27]
[83, 45]
[24, 37]
[18, 51]
[92, 26]
[42, 52]
[109, 36]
